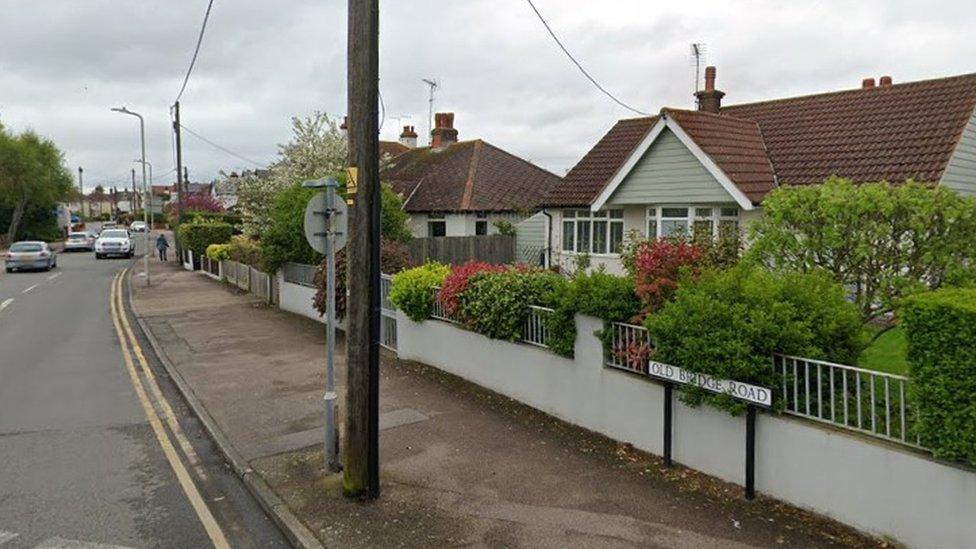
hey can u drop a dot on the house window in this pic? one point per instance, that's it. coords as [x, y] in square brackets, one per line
[481, 224]
[436, 225]
[593, 232]
[665, 221]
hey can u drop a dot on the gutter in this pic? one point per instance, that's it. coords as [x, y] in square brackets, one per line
[548, 248]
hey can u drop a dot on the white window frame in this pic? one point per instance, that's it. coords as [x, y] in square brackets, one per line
[572, 218]
[718, 214]
[436, 218]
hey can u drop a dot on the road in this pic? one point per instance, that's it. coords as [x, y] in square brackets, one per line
[83, 465]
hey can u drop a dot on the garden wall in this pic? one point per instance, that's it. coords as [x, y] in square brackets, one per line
[297, 298]
[871, 485]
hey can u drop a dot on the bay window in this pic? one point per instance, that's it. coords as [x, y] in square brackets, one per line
[665, 221]
[593, 232]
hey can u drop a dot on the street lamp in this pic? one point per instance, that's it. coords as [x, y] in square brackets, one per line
[145, 214]
[152, 213]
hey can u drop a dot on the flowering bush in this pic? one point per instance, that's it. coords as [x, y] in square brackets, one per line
[412, 291]
[202, 202]
[657, 266]
[457, 282]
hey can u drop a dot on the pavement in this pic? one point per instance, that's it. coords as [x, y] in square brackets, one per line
[81, 466]
[459, 465]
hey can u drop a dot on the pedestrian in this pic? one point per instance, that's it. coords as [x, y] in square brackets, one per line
[162, 245]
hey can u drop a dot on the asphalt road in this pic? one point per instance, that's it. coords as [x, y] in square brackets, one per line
[79, 461]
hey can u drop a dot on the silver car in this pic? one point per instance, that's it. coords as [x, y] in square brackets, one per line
[79, 241]
[30, 254]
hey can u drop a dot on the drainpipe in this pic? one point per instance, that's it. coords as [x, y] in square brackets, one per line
[548, 249]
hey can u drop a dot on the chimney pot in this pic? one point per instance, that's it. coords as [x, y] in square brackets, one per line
[443, 134]
[867, 83]
[408, 137]
[884, 81]
[710, 99]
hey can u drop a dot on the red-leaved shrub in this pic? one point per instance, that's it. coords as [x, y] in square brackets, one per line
[657, 265]
[457, 282]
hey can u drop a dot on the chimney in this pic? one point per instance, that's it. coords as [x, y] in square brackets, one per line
[710, 99]
[409, 137]
[443, 135]
[867, 83]
[884, 81]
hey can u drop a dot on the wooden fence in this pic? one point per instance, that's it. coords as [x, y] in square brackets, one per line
[496, 248]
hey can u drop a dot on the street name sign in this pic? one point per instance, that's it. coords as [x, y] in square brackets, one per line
[742, 391]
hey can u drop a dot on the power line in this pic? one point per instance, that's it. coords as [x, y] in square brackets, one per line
[224, 149]
[196, 51]
[579, 66]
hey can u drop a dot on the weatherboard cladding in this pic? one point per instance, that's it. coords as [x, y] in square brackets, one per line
[467, 176]
[892, 133]
[961, 172]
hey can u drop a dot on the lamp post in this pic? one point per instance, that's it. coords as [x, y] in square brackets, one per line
[145, 214]
[152, 213]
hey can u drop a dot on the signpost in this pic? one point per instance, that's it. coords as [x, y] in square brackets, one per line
[753, 395]
[326, 219]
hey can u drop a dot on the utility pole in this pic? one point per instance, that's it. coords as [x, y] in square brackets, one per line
[179, 183]
[361, 471]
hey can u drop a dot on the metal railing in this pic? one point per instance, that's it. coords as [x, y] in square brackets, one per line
[536, 331]
[628, 347]
[437, 311]
[388, 322]
[299, 273]
[870, 402]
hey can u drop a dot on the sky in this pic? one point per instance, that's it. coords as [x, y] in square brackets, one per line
[65, 63]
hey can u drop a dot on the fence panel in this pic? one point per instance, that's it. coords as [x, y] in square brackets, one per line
[536, 332]
[496, 248]
[260, 283]
[244, 277]
[388, 324]
[874, 403]
[628, 348]
[299, 273]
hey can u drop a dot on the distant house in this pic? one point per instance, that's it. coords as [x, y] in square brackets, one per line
[224, 188]
[696, 170]
[463, 188]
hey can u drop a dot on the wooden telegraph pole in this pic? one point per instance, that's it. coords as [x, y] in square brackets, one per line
[361, 471]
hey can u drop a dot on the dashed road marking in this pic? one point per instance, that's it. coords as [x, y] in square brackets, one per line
[5, 302]
[55, 275]
[62, 543]
[6, 536]
[29, 288]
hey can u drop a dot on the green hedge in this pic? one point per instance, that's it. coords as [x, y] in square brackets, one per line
[192, 216]
[941, 331]
[412, 290]
[728, 323]
[197, 236]
[496, 304]
[611, 298]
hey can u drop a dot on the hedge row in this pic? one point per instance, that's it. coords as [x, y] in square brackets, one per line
[197, 236]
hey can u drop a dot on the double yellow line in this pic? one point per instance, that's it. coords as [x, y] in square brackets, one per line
[128, 339]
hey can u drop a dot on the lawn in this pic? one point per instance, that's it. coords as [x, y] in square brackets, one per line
[887, 353]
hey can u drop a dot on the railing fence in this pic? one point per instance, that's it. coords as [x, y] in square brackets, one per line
[388, 322]
[299, 273]
[535, 330]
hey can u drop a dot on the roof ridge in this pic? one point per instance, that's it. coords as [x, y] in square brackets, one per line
[506, 153]
[472, 168]
[666, 110]
[852, 90]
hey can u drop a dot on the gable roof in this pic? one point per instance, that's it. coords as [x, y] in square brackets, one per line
[467, 176]
[893, 133]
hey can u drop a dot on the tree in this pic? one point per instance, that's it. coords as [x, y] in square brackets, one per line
[32, 177]
[317, 149]
[882, 242]
[202, 202]
[393, 219]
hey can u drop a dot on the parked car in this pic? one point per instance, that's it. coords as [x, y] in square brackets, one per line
[79, 241]
[30, 254]
[114, 242]
[109, 225]
[137, 227]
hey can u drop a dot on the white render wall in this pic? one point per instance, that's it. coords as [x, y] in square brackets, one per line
[297, 299]
[872, 485]
[459, 224]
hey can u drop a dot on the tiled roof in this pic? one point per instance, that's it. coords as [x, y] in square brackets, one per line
[892, 133]
[735, 145]
[585, 181]
[392, 149]
[467, 176]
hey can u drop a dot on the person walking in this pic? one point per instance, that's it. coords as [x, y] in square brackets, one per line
[162, 245]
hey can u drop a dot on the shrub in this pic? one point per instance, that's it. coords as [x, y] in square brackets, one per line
[394, 257]
[496, 304]
[656, 266]
[284, 239]
[202, 202]
[412, 290]
[727, 324]
[245, 250]
[941, 327]
[193, 215]
[598, 294]
[457, 282]
[197, 236]
[218, 252]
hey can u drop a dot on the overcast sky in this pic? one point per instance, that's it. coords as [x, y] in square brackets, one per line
[64, 63]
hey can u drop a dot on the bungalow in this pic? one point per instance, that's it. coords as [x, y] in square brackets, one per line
[463, 188]
[695, 170]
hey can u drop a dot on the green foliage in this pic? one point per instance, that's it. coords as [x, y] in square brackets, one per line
[394, 257]
[284, 239]
[727, 324]
[505, 227]
[882, 241]
[496, 304]
[888, 351]
[224, 217]
[413, 289]
[598, 294]
[33, 179]
[941, 328]
[245, 250]
[218, 252]
[197, 236]
[393, 220]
